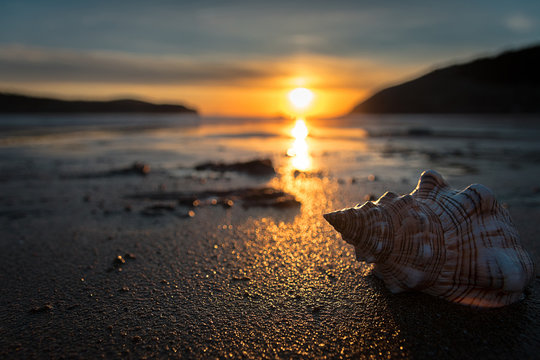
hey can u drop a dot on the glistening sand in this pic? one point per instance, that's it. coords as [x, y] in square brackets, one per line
[234, 283]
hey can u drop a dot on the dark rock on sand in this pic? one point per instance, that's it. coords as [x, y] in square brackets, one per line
[41, 309]
[227, 203]
[419, 132]
[188, 200]
[250, 197]
[258, 167]
[157, 210]
[269, 197]
[137, 168]
[118, 261]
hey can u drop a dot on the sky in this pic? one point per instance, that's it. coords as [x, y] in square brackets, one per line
[240, 58]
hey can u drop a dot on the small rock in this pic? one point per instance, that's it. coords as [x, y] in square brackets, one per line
[158, 209]
[228, 203]
[130, 256]
[258, 167]
[41, 309]
[136, 339]
[140, 168]
[118, 261]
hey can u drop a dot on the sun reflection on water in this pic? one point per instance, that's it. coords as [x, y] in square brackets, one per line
[299, 152]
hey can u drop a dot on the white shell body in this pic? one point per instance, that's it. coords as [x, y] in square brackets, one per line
[458, 245]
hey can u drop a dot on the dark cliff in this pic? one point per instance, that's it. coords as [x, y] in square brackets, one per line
[11, 103]
[507, 83]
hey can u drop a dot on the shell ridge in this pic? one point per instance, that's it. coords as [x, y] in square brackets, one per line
[387, 235]
[452, 241]
[423, 271]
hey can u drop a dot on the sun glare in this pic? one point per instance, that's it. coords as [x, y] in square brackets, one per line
[301, 160]
[300, 130]
[300, 97]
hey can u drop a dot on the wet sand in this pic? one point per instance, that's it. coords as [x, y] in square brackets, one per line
[222, 282]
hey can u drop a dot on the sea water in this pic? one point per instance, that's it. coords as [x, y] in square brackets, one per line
[501, 151]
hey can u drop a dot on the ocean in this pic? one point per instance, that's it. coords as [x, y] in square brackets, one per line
[503, 152]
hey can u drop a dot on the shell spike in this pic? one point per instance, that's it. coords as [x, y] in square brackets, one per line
[337, 220]
[430, 180]
[351, 231]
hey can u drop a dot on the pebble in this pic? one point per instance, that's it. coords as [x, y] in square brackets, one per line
[136, 339]
[41, 309]
[228, 203]
[119, 261]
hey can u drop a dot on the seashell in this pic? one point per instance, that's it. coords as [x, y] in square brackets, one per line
[458, 245]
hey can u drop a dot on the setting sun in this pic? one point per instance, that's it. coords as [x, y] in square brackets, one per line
[300, 97]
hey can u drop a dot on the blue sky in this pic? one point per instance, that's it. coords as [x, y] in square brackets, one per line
[61, 46]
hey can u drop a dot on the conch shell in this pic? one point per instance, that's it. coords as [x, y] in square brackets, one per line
[458, 245]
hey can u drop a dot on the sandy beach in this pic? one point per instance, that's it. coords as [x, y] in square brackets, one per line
[93, 266]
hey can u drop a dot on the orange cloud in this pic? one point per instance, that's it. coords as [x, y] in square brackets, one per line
[231, 87]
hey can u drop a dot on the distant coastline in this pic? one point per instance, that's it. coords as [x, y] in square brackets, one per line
[21, 104]
[506, 83]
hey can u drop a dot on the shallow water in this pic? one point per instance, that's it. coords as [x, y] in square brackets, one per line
[503, 152]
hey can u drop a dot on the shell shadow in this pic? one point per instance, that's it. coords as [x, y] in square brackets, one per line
[435, 328]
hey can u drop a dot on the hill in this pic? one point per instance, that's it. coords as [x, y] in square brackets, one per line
[12, 103]
[507, 83]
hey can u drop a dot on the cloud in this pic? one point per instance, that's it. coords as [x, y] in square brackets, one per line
[25, 65]
[519, 23]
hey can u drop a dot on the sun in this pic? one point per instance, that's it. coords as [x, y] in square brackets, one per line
[300, 97]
